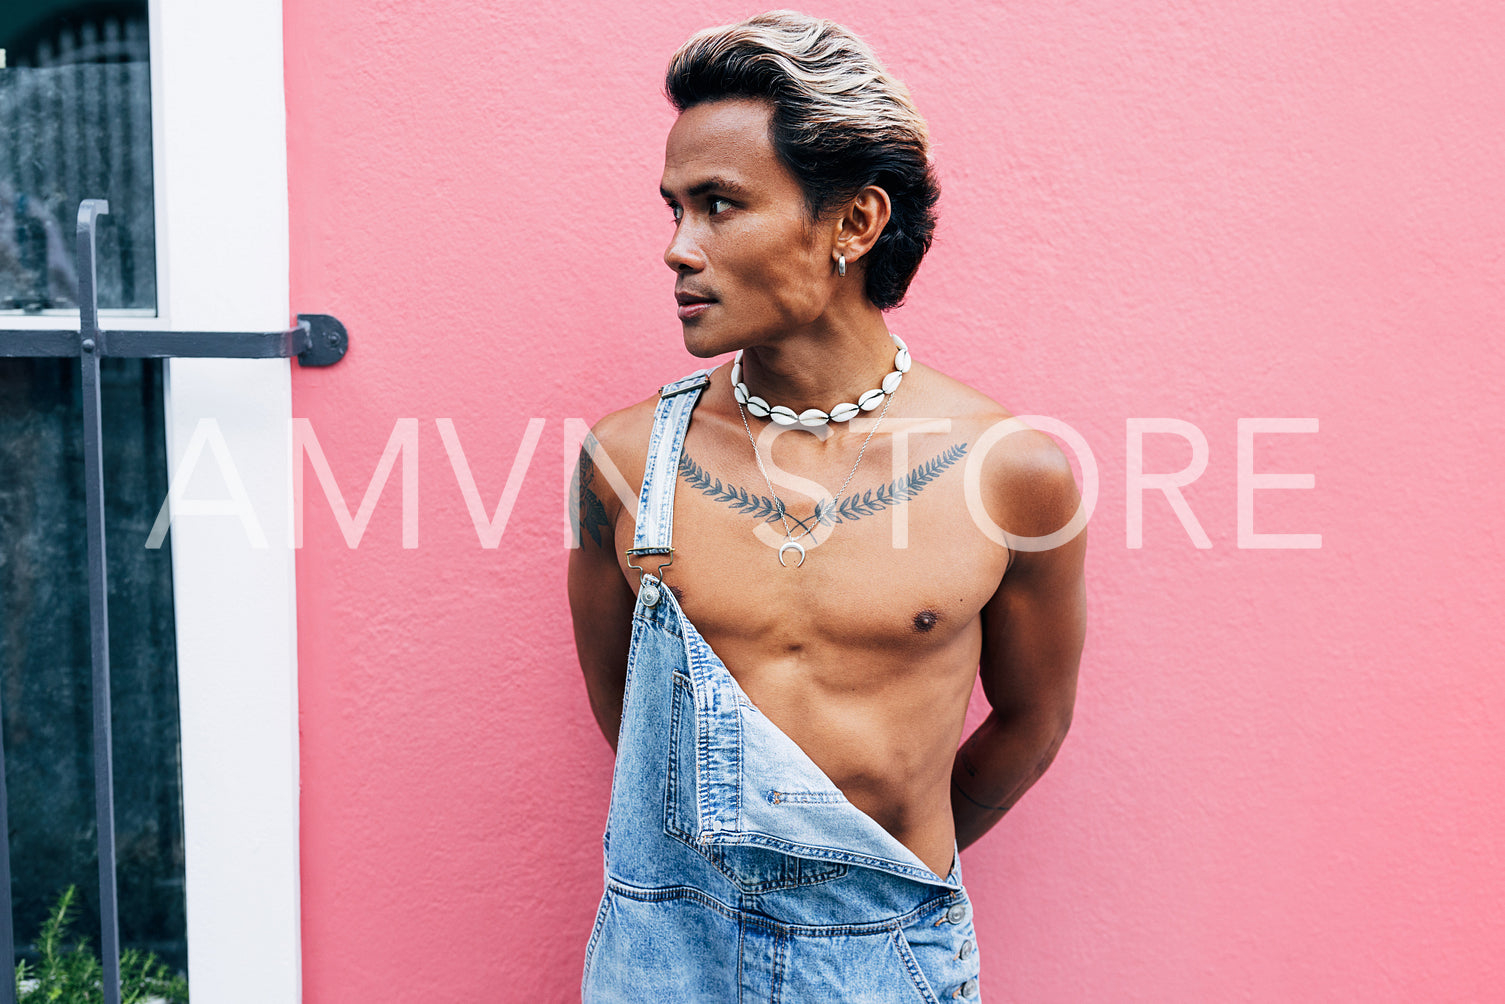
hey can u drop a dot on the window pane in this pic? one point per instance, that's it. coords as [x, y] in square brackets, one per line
[45, 667]
[75, 123]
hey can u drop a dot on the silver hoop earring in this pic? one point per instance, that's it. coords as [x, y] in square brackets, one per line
[841, 264]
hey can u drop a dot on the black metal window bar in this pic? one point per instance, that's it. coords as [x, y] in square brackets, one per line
[318, 340]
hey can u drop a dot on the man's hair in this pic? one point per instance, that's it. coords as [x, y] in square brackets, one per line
[840, 123]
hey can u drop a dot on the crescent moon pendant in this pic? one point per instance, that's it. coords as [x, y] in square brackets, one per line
[792, 545]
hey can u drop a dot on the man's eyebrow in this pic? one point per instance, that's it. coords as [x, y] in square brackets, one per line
[709, 184]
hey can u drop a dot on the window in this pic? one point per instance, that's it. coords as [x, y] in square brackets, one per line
[75, 102]
[221, 263]
[75, 110]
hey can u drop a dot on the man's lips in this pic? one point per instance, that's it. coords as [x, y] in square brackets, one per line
[692, 305]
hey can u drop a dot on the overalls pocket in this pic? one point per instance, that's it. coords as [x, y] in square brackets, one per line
[751, 869]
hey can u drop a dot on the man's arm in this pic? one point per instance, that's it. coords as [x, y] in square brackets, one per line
[601, 602]
[1033, 630]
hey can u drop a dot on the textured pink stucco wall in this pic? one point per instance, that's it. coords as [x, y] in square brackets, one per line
[1284, 778]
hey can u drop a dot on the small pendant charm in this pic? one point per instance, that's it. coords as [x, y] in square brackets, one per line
[792, 545]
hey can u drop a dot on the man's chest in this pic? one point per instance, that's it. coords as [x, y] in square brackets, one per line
[893, 560]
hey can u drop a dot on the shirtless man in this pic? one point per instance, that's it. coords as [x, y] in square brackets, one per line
[836, 569]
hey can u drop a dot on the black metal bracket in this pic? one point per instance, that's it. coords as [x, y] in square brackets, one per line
[328, 341]
[318, 340]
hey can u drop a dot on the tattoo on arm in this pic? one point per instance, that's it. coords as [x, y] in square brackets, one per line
[590, 514]
[971, 769]
[980, 805]
[849, 509]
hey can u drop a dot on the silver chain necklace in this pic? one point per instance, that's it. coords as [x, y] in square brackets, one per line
[791, 541]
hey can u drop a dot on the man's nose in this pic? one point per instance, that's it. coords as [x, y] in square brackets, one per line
[682, 254]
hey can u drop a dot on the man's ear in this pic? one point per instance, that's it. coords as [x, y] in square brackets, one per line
[857, 229]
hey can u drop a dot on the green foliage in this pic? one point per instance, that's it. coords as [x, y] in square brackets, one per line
[74, 975]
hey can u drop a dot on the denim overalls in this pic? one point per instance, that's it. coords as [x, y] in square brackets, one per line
[735, 870]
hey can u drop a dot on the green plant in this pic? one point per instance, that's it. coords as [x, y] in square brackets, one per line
[74, 975]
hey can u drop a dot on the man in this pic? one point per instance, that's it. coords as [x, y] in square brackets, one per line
[781, 605]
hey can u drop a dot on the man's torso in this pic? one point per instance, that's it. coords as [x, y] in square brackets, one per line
[866, 654]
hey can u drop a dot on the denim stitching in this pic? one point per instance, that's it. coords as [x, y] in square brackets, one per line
[691, 662]
[736, 717]
[590, 948]
[671, 787]
[646, 521]
[714, 855]
[760, 839]
[780, 954]
[912, 965]
[798, 880]
[741, 954]
[627, 680]
[662, 894]
[701, 664]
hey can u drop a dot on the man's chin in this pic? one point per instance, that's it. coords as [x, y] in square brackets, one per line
[703, 346]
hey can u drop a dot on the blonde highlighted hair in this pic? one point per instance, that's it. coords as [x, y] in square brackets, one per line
[840, 122]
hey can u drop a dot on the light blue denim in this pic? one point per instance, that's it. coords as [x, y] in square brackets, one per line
[735, 870]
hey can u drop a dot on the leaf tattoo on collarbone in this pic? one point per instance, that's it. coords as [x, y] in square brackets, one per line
[845, 510]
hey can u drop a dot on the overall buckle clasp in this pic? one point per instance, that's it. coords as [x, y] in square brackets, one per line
[637, 552]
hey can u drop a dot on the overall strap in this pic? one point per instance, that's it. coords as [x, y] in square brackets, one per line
[655, 528]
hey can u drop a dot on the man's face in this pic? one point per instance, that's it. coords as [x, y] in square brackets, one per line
[744, 252]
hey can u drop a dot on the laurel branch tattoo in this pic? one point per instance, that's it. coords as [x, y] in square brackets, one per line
[846, 510]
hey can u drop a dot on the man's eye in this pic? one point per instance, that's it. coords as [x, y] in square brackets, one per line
[719, 202]
[676, 211]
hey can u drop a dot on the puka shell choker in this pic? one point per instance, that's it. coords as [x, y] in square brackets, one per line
[814, 418]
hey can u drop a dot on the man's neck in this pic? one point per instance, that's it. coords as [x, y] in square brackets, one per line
[817, 369]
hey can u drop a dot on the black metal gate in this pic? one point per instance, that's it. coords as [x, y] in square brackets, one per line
[318, 340]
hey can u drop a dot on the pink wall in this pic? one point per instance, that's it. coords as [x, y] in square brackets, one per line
[1284, 778]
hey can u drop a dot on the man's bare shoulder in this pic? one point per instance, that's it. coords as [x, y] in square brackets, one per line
[939, 395]
[616, 451]
[624, 433]
[1026, 477]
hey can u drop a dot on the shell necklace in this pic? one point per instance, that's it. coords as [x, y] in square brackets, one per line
[814, 418]
[787, 417]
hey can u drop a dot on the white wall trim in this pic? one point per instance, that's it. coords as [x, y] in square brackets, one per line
[222, 245]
